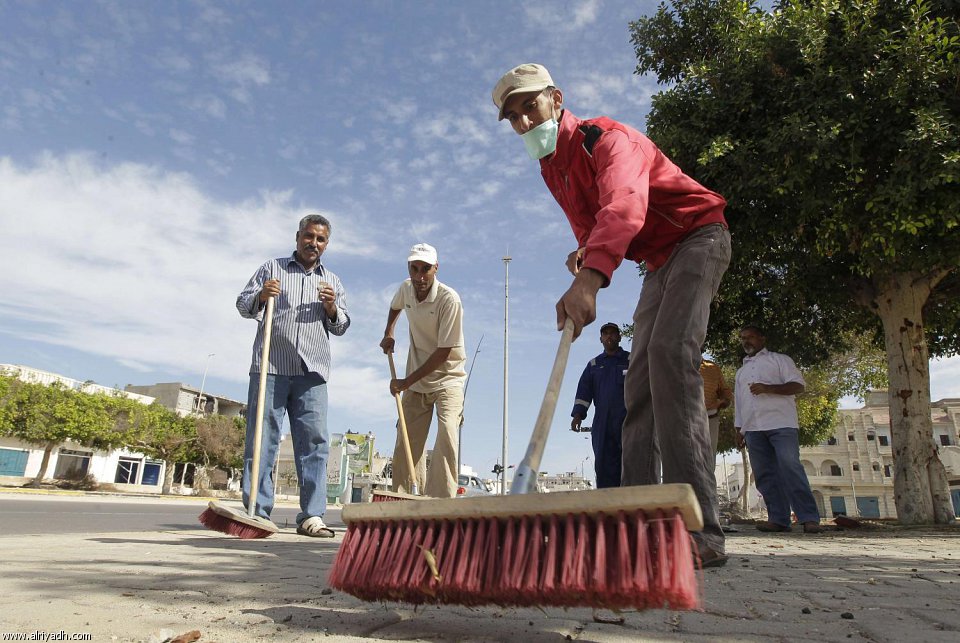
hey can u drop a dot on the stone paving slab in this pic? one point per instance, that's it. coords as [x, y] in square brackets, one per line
[890, 585]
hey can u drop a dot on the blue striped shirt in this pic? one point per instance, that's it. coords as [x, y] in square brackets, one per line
[300, 337]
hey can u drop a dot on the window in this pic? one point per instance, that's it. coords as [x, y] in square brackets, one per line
[884, 441]
[72, 465]
[151, 473]
[876, 466]
[871, 436]
[886, 471]
[856, 466]
[945, 440]
[128, 469]
[850, 437]
[835, 470]
[832, 440]
[183, 474]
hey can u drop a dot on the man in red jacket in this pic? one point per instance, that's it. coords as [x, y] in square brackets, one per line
[625, 199]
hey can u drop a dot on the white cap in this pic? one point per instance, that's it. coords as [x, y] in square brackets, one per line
[423, 252]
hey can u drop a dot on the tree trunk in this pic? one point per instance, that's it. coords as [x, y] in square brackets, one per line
[920, 482]
[44, 463]
[744, 498]
[201, 479]
[168, 469]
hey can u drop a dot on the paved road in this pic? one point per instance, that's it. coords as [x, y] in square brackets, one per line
[39, 514]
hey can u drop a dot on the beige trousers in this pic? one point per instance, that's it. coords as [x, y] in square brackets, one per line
[440, 479]
[714, 432]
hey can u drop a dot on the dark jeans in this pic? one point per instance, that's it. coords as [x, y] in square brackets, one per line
[775, 458]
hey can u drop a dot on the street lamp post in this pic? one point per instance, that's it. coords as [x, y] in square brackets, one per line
[506, 309]
[203, 382]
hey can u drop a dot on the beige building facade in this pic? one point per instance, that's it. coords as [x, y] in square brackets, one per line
[851, 472]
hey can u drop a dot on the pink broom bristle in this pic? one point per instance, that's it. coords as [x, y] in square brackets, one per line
[212, 520]
[379, 497]
[626, 560]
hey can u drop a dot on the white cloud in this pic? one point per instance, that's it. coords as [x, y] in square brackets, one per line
[397, 111]
[139, 264]
[242, 73]
[550, 18]
[181, 137]
[592, 93]
[355, 146]
[483, 192]
[173, 61]
[945, 378]
[207, 104]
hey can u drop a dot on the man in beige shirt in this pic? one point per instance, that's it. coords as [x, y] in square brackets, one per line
[435, 373]
[716, 396]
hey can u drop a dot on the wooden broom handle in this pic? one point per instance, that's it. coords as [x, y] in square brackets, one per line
[261, 399]
[525, 479]
[403, 430]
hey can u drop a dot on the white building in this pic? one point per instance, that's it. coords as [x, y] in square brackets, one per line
[730, 486]
[125, 470]
[570, 481]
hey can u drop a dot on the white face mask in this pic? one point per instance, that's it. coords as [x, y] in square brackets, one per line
[541, 141]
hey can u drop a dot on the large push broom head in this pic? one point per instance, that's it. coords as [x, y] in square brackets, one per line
[626, 547]
[236, 523]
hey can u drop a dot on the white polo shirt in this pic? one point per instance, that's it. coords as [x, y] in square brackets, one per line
[766, 411]
[436, 322]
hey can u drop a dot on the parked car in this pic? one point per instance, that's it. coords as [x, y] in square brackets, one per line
[472, 486]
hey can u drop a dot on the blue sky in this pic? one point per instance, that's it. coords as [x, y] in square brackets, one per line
[152, 155]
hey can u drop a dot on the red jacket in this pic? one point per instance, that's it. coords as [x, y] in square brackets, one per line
[622, 196]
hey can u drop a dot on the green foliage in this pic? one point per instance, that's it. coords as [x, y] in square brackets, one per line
[831, 127]
[160, 433]
[40, 414]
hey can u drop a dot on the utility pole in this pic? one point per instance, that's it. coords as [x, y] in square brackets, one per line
[203, 382]
[466, 385]
[506, 344]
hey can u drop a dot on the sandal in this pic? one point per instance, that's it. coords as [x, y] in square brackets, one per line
[314, 527]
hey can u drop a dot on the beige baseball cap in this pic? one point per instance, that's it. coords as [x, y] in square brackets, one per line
[423, 252]
[528, 77]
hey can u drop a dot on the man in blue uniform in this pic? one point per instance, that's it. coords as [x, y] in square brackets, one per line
[602, 384]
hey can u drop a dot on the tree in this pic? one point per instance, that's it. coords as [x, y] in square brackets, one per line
[220, 442]
[48, 415]
[162, 434]
[831, 127]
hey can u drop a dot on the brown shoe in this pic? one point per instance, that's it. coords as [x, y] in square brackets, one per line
[711, 558]
[811, 527]
[766, 525]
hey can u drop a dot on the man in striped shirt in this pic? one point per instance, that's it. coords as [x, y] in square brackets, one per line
[310, 306]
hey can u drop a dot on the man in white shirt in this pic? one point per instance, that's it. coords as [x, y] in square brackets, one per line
[766, 420]
[435, 373]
